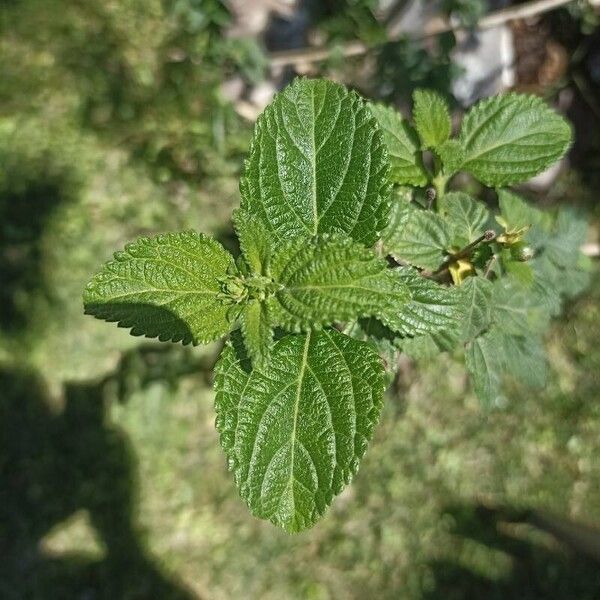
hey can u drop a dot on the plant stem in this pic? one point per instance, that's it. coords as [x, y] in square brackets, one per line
[488, 236]
[356, 48]
[439, 184]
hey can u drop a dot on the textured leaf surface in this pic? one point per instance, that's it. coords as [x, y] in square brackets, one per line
[518, 309]
[379, 336]
[255, 241]
[509, 139]
[559, 268]
[452, 155]
[466, 217]
[334, 279]
[477, 302]
[432, 307]
[551, 282]
[403, 147]
[429, 345]
[495, 356]
[421, 238]
[518, 213]
[431, 117]
[486, 366]
[164, 287]
[525, 359]
[257, 332]
[399, 212]
[294, 433]
[317, 164]
[562, 247]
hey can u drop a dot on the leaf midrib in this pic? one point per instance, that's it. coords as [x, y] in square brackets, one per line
[313, 164]
[303, 366]
[160, 290]
[507, 142]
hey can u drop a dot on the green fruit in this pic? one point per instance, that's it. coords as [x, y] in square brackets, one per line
[521, 252]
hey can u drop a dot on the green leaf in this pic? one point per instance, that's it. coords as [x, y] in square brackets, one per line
[496, 356]
[432, 307]
[399, 212]
[255, 241]
[431, 117]
[517, 308]
[509, 139]
[465, 216]
[452, 155]
[548, 284]
[403, 147]
[389, 344]
[165, 287]
[519, 271]
[433, 317]
[257, 332]
[476, 296]
[317, 164]
[525, 360]
[559, 268]
[381, 338]
[333, 279]
[420, 347]
[553, 282]
[420, 239]
[294, 433]
[562, 247]
[430, 345]
[518, 214]
[486, 364]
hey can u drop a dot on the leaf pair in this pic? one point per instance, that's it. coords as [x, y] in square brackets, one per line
[183, 287]
[503, 140]
[295, 426]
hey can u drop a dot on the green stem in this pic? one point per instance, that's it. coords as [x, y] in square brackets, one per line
[439, 183]
[465, 252]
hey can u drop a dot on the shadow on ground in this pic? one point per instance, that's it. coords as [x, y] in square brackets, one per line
[23, 216]
[567, 568]
[53, 465]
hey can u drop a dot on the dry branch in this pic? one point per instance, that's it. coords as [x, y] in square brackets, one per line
[356, 48]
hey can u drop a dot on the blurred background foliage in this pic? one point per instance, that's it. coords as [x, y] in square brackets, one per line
[118, 119]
